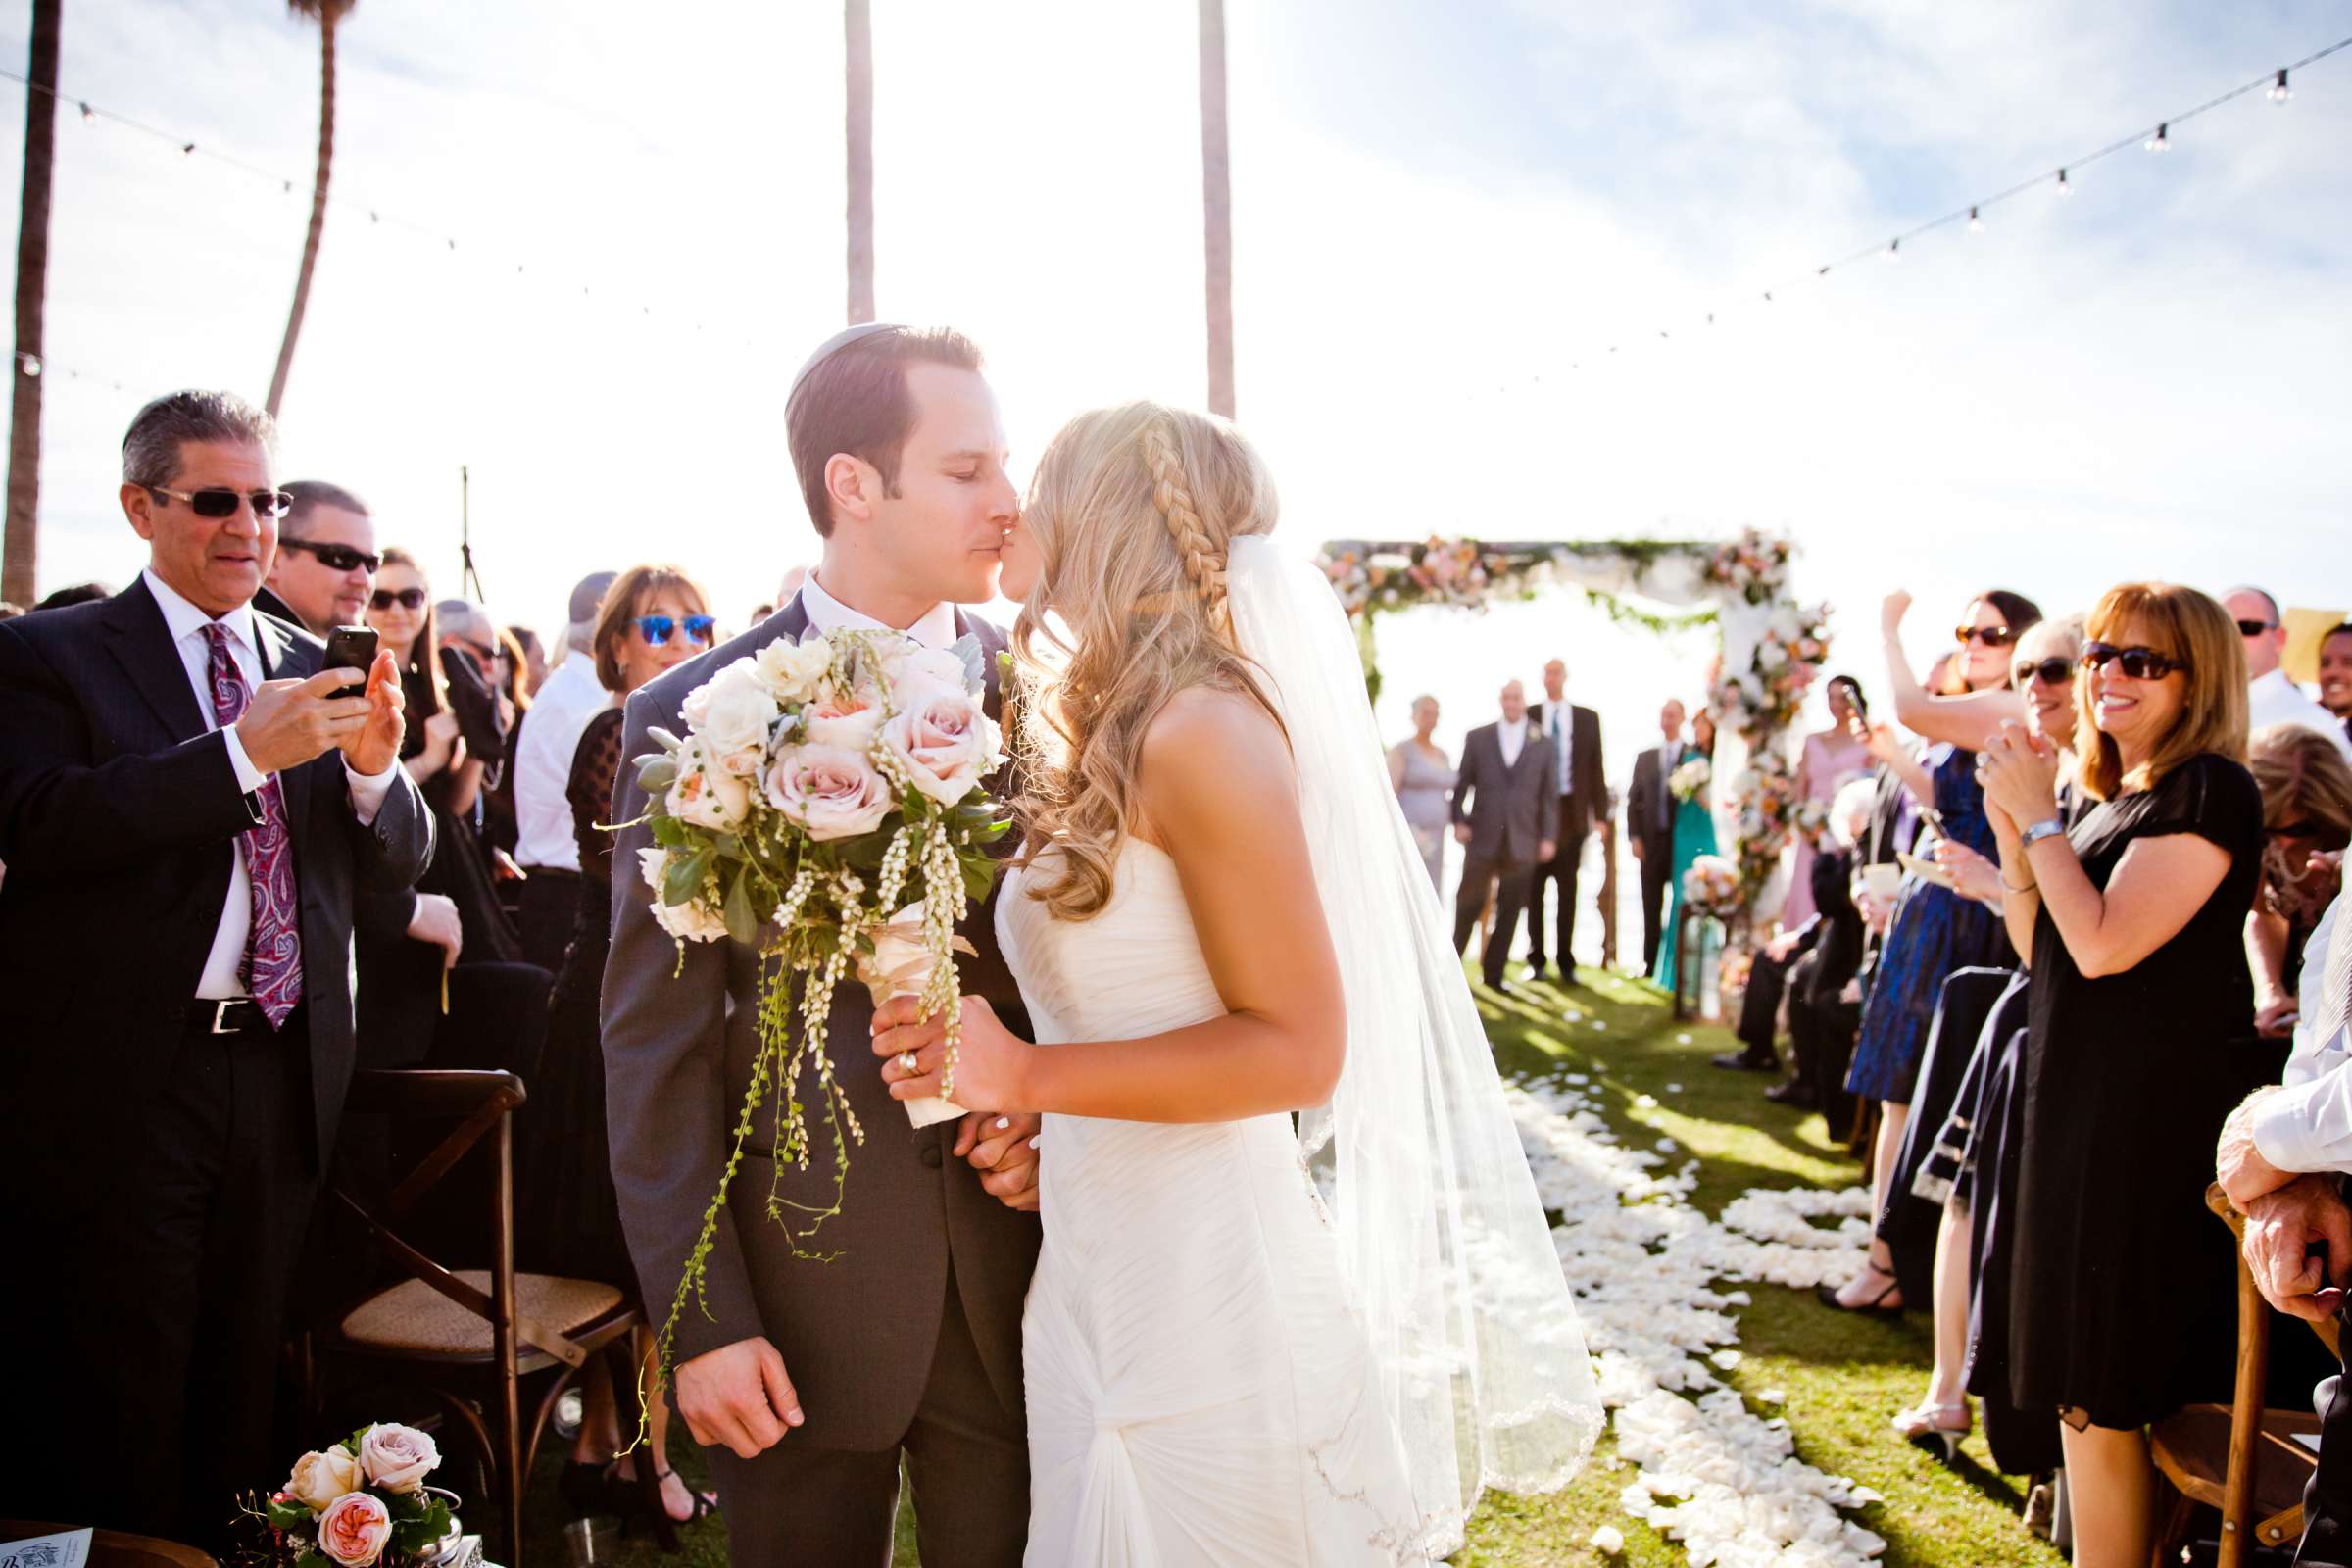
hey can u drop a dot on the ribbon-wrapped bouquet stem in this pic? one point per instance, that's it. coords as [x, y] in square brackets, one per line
[825, 807]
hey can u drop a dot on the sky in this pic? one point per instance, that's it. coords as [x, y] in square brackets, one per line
[1445, 214]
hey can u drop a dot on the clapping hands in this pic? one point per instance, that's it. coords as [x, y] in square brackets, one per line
[2020, 775]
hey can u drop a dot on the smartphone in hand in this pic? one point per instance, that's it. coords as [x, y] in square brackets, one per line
[351, 647]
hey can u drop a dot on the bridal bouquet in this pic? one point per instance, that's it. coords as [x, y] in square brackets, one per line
[1711, 886]
[1686, 781]
[361, 1503]
[825, 806]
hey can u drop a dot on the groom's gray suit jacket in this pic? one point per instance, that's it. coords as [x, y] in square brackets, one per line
[857, 1332]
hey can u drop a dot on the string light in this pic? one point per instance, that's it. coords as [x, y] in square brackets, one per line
[1893, 251]
[1976, 224]
[2280, 91]
[89, 115]
[29, 363]
[2064, 189]
[2161, 142]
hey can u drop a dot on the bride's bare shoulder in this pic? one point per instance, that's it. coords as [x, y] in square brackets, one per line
[1207, 748]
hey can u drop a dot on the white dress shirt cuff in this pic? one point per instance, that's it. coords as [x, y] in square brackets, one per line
[2305, 1128]
[367, 792]
[249, 777]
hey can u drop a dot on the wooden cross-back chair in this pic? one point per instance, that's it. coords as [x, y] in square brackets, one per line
[2240, 1458]
[470, 1335]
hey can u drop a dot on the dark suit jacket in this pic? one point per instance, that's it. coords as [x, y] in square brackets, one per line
[119, 815]
[1589, 794]
[1649, 808]
[1511, 810]
[856, 1332]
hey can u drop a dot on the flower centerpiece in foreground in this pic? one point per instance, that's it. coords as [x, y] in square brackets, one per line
[359, 1504]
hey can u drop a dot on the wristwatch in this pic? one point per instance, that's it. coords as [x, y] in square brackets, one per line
[2049, 827]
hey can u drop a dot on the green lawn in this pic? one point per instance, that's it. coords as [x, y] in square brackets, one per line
[1844, 1376]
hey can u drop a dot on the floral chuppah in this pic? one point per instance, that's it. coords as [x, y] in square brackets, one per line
[1772, 646]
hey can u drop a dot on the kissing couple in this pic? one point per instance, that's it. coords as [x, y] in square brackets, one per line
[1237, 1258]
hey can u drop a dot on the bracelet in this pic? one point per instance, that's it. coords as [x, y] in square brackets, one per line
[2014, 888]
[2050, 827]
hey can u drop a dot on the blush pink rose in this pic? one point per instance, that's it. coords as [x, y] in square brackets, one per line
[842, 724]
[354, 1530]
[829, 792]
[397, 1458]
[946, 742]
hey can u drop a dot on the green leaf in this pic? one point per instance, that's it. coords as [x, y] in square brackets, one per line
[684, 877]
[287, 1515]
[728, 846]
[656, 774]
[741, 925]
[865, 851]
[664, 739]
[350, 1445]
[968, 649]
[978, 877]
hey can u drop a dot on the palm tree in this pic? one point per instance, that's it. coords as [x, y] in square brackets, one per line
[32, 295]
[1216, 197]
[857, 25]
[327, 14]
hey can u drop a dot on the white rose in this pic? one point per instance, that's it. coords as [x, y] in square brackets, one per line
[397, 1458]
[842, 724]
[731, 711]
[947, 744]
[319, 1479]
[706, 794]
[690, 922]
[908, 663]
[791, 671]
[829, 792]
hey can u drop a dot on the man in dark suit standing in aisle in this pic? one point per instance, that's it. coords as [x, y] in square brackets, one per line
[1649, 827]
[188, 806]
[1583, 801]
[1506, 811]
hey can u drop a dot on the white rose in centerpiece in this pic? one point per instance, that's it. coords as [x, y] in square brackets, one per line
[707, 794]
[689, 922]
[947, 744]
[842, 724]
[789, 671]
[830, 792]
[397, 1458]
[731, 712]
[319, 1479]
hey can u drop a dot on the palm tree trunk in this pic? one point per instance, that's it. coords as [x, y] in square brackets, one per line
[1216, 198]
[859, 27]
[310, 243]
[32, 297]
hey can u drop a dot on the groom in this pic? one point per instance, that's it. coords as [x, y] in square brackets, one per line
[806, 1379]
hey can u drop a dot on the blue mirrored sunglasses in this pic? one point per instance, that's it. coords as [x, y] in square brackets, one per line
[657, 629]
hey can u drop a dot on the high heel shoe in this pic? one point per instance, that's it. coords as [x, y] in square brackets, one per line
[1876, 1306]
[1928, 1426]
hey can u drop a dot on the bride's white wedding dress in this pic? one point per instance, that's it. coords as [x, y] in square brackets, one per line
[1201, 1390]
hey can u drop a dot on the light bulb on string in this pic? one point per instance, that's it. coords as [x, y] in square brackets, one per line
[2065, 188]
[1976, 224]
[186, 149]
[1893, 251]
[2280, 91]
[2161, 141]
[89, 115]
[29, 363]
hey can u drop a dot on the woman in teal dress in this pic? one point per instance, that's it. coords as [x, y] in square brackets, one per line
[1693, 836]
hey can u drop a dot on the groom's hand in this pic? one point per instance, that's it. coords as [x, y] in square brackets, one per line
[738, 1394]
[1003, 1151]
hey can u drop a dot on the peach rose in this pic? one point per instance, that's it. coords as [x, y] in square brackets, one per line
[397, 1458]
[946, 742]
[355, 1529]
[828, 790]
[842, 724]
[319, 1479]
[706, 793]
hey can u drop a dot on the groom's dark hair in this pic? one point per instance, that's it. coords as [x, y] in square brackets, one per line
[856, 401]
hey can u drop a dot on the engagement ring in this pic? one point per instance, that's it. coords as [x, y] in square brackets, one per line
[906, 1062]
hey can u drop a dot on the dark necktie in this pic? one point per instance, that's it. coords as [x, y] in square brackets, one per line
[273, 965]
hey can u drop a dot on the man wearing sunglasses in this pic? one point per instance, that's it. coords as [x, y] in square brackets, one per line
[189, 805]
[326, 559]
[2271, 696]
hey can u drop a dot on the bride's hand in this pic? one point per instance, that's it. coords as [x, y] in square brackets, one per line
[991, 1061]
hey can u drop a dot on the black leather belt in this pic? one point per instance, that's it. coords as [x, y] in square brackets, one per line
[237, 1015]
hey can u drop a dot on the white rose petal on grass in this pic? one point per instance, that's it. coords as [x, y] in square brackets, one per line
[1682, 1039]
[1772, 1397]
[1645, 1101]
[1609, 1540]
[1666, 1145]
[1674, 1089]
[1726, 1361]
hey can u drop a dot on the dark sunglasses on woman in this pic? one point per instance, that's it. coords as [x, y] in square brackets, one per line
[335, 557]
[657, 629]
[222, 501]
[1990, 636]
[2054, 672]
[2140, 663]
[405, 598]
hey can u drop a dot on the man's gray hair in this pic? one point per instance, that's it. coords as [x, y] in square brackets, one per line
[151, 446]
[309, 495]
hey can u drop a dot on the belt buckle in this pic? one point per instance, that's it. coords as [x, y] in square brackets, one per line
[220, 1015]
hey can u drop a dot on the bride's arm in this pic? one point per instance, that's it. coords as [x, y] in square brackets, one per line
[1218, 794]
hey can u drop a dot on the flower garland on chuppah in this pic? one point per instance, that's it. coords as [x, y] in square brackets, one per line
[1772, 650]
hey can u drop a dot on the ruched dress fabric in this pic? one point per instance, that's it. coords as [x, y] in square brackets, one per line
[1200, 1389]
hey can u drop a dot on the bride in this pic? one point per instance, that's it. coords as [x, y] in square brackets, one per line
[1249, 1340]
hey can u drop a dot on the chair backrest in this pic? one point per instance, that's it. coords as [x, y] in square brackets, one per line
[482, 1104]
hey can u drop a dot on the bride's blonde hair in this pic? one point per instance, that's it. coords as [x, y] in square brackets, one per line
[1132, 511]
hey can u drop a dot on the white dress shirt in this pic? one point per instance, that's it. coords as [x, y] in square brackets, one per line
[2272, 698]
[559, 717]
[222, 978]
[1512, 733]
[2307, 1125]
[934, 628]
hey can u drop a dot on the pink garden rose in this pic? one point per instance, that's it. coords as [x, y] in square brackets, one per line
[843, 723]
[946, 742]
[319, 1479]
[397, 1458]
[354, 1529]
[830, 792]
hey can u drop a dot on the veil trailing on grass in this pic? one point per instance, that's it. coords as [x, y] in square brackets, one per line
[1482, 1360]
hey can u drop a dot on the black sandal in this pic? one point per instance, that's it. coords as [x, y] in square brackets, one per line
[704, 1505]
[1876, 1306]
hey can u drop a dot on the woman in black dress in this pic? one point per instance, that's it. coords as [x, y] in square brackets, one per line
[2121, 1291]
[653, 618]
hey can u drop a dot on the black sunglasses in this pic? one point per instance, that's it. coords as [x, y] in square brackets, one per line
[222, 502]
[335, 557]
[405, 598]
[2255, 628]
[1990, 636]
[2054, 672]
[657, 629]
[2140, 663]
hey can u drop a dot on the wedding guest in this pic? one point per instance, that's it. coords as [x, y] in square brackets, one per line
[530, 664]
[653, 619]
[2306, 816]
[1693, 836]
[1422, 775]
[544, 845]
[1934, 929]
[510, 675]
[1828, 760]
[1650, 825]
[326, 560]
[2336, 675]
[1505, 812]
[1780, 972]
[81, 592]
[1821, 1019]
[2122, 1300]
[187, 807]
[2271, 696]
[1583, 804]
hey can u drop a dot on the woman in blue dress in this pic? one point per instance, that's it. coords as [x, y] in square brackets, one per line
[1693, 836]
